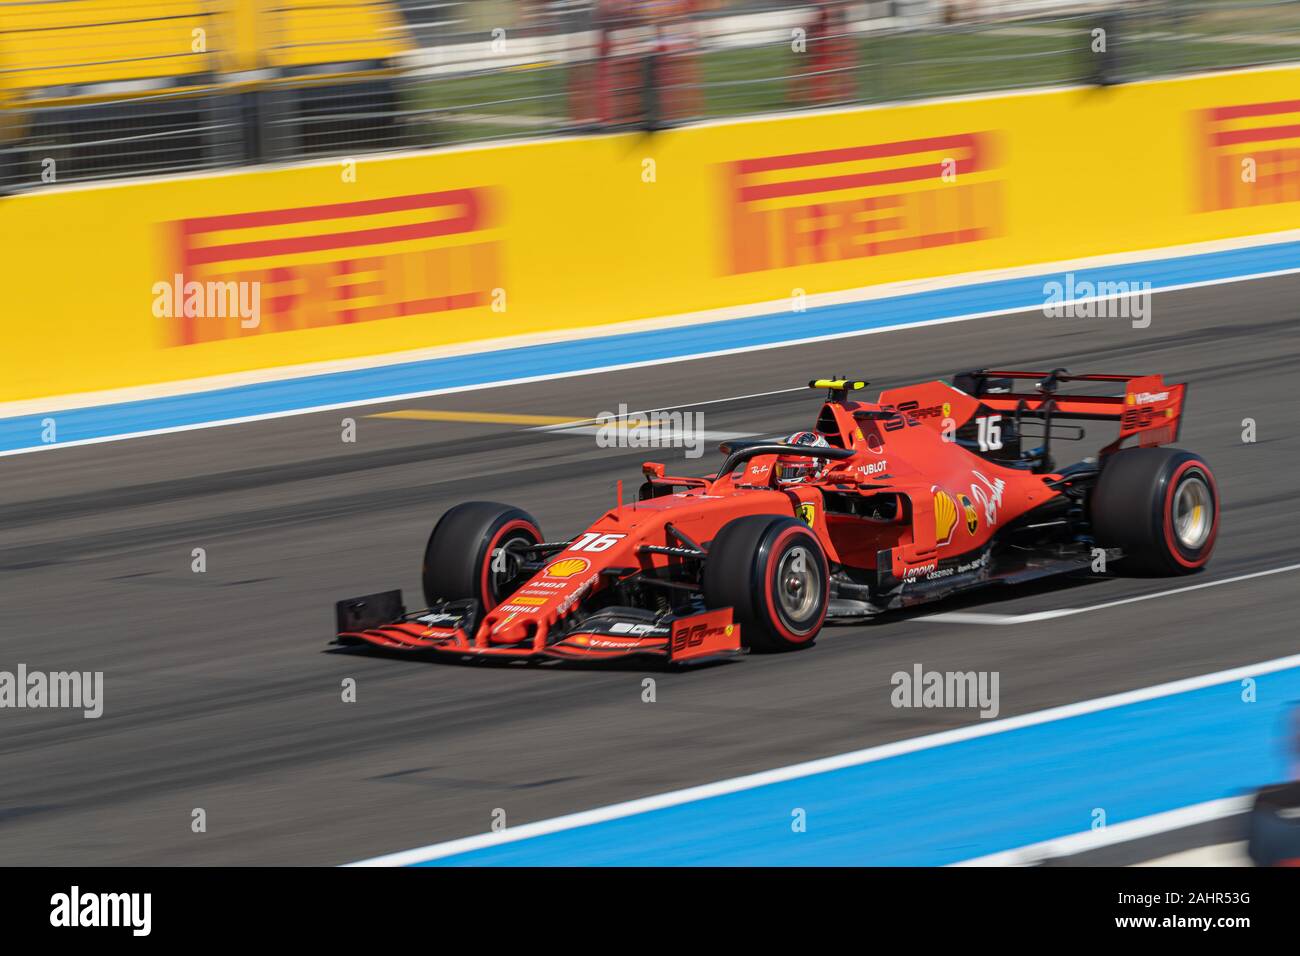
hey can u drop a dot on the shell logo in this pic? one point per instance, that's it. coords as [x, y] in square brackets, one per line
[567, 568]
[945, 516]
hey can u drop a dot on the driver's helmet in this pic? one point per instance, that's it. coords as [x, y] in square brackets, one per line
[796, 468]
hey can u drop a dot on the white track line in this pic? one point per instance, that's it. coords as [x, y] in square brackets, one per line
[967, 617]
[1235, 853]
[652, 436]
[1124, 832]
[869, 755]
[666, 408]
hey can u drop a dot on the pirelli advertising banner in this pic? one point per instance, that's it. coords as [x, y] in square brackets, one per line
[186, 277]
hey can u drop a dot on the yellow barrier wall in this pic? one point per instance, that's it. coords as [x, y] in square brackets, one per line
[418, 250]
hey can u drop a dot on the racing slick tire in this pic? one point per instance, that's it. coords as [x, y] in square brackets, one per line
[1160, 506]
[771, 570]
[458, 560]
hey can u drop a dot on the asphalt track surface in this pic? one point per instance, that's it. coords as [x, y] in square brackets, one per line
[220, 693]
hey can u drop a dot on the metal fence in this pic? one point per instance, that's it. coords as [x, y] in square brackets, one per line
[93, 89]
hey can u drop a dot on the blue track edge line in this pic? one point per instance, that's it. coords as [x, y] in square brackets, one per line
[368, 385]
[960, 801]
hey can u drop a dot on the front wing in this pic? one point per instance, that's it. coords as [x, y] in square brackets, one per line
[381, 621]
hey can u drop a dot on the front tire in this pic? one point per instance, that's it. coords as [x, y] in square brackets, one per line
[1160, 506]
[771, 570]
[459, 558]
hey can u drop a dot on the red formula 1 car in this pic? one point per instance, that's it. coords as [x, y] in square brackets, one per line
[933, 490]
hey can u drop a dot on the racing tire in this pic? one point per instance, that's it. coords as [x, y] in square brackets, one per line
[772, 572]
[1274, 826]
[1160, 506]
[458, 560]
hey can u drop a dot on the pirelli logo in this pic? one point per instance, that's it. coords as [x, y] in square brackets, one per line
[1250, 155]
[343, 263]
[861, 201]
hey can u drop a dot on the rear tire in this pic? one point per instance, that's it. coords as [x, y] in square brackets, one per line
[458, 560]
[1161, 506]
[771, 570]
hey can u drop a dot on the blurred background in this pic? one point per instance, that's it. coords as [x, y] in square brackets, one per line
[115, 88]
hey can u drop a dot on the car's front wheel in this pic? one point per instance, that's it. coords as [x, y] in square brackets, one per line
[771, 570]
[476, 551]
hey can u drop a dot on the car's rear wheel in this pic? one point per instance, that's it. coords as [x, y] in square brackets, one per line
[476, 551]
[1160, 506]
[771, 570]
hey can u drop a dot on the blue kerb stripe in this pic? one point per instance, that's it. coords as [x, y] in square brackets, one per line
[574, 356]
[963, 800]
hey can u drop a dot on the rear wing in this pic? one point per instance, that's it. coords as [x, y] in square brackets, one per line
[1145, 407]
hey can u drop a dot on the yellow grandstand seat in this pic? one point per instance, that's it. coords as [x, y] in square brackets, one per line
[47, 45]
[301, 33]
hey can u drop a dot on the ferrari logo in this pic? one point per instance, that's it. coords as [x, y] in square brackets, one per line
[947, 409]
[807, 513]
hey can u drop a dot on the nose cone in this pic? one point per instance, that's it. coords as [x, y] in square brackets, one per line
[509, 624]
